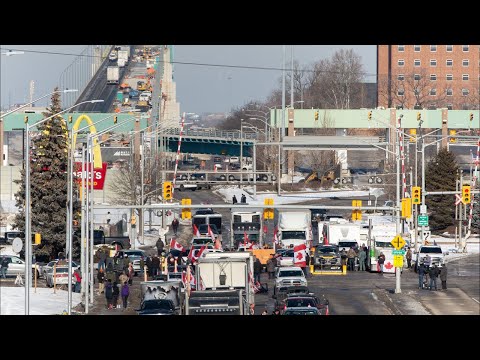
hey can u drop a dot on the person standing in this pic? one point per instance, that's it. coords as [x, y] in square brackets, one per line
[155, 266]
[243, 199]
[160, 245]
[381, 261]
[443, 277]
[421, 273]
[271, 267]
[361, 259]
[78, 280]
[307, 265]
[125, 293]
[109, 294]
[4, 266]
[351, 254]
[409, 258]
[102, 257]
[234, 199]
[115, 293]
[149, 266]
[175, 224]
[257, 269]
[101, 280]
[131, 273]
[433, 277]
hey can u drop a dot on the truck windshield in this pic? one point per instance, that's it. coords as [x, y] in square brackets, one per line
[289, 273]
[431, 250]
[293, 235]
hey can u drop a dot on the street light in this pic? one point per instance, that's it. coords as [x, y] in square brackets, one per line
[28, 237]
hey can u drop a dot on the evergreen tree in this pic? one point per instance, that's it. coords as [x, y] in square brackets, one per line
[440, 175]
[48, 183]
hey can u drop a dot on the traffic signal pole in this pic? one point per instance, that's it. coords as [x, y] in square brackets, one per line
[398, 207]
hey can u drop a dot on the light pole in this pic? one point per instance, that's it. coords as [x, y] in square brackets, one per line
[254, 168]
[28, 236]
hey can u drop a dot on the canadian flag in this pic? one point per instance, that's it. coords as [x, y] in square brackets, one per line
[246, 241]
[300, 255]
[210, 233]
[176, 245]
[194, 254]
[218, 244]
[275, 237]
[193, 282]
[195, 231]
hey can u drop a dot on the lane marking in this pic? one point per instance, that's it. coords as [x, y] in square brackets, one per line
[478, 302]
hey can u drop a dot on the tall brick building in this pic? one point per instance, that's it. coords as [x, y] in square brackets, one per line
[428, 76]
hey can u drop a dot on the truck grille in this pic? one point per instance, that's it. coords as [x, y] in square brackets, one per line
[291, 282]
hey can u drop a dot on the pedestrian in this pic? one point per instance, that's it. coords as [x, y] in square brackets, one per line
[433, 277]
[149, 265]
[264, 312]
[102, 257]
[4, 266]
[366, 256]
[307, 264]
[243, 199]
[257, 269]
[175, 224]
[109, 294]
[125, 293]
[155, 266]
[234, 199]
[361, 259]
[78, 280]
[101, 280]
[115, 293]
[351, 254]
[170, 263]
[126, 263]
[160, 245]
[252, 309]
[408, 256]
[381, 260]
[123, 278]
[427, 261]
[421, 273]
[271, 267]
[131, 273]
[443, 277]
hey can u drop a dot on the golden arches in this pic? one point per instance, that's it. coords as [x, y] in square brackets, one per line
[97, 155]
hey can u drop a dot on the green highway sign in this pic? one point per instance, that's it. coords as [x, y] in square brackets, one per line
[423, 220]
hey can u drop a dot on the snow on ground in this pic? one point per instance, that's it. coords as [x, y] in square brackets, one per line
[286, 197]
[43, 302]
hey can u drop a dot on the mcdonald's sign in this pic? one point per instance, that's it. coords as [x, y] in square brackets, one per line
[99, 167]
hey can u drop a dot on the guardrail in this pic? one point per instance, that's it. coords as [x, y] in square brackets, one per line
[212, 133]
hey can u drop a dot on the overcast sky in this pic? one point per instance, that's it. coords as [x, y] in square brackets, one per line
[199, 88]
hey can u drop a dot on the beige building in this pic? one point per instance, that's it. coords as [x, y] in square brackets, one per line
[428, 76]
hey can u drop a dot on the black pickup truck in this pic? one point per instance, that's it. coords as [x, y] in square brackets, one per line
[99, 238]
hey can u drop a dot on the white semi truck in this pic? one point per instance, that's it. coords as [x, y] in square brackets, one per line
[113, 75]
[295, 228]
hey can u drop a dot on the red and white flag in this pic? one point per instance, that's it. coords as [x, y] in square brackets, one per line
[196, 233]
[176, 245]
[193, 282]
[300, 255]
[194, 254]
[246, 241]
[210, 233]
[218, 244]
[275, 237]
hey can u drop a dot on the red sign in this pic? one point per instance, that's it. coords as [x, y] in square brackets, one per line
[98, 175]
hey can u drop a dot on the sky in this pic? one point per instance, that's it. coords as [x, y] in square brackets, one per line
[200, 89]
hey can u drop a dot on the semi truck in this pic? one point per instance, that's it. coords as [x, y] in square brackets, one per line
[157, 289]
[244, 222]
[123, 57]
[295, 228]
[335, 232]
[224, 285]
[113, 75]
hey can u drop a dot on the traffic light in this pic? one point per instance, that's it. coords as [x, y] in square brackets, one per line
[268, 213]
[115, 119]
[25, 119]
[413, 134]
[186, 212]
[419, 116]
[369, 115]
[453, 139]
[471, 116]
[416, 193]
[316, 115]
[38, 238]
[70, 118]
[466, 194]
[167, 190]
[357, 213]
[406, 207]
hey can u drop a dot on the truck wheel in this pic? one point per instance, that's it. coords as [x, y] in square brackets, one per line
[231, 177]
[223, 178]
[264, 178]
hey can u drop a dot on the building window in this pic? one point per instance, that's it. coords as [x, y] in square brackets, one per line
[449, 106]
[416, 77]
[400, 92]
[449, 48]
[449, 92]
[401, 48]
[401, 62]
[433, 48]
[416, 62]
[433, 77]
[400, 77]
[465, 77]
[449, 77]
[465, 92]
[465, 62]
[433, 92]
[449, 62]
[416, 48]
[465, 48]
[433, 62]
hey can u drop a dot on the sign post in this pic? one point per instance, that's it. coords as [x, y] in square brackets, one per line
[398, 243]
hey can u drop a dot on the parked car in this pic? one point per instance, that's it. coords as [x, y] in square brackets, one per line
[134, 256]
[15, 265]
[59, 276]
[42, 271]
[302, 311]
[289, 276]
[157, 307]
[134, 94]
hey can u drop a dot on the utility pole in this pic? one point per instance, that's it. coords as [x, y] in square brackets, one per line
[397, 269]
[460, 218]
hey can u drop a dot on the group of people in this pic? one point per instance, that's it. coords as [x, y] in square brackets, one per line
[112, 292]
[427, 276]
[348, 258]
[243, 199]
